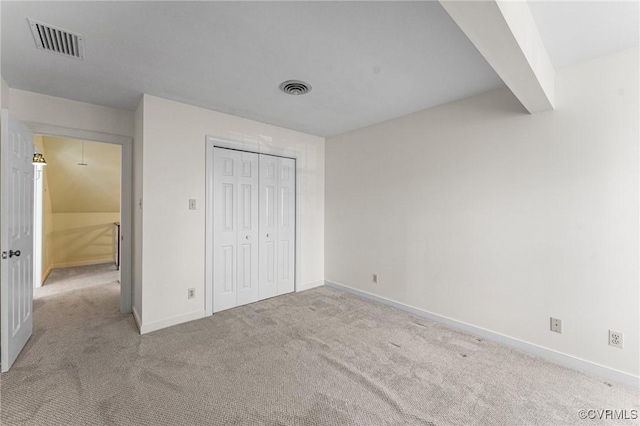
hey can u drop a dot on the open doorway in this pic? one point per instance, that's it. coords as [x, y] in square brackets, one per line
[77, 210]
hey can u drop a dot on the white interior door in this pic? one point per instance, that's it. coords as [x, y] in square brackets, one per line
[268, 226]
[286, 219]
[277, 225]
[248, 241]
[235, 228]
[16, 235]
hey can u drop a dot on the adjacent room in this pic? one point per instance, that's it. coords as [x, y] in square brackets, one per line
[320, 213]
[77, 215]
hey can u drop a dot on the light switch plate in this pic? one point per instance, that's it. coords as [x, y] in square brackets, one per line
[192, 204]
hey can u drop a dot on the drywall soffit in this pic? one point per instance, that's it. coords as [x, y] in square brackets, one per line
[505, 33]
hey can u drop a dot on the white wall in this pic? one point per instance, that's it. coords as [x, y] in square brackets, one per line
[83, 238]
[37, 108]
[4, 94]
[174, 171]
[484, 214]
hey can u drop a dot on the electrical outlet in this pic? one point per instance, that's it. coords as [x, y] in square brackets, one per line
[192, 293]
[374, 279]
[556, 325]
[616, 339]
[192, 204]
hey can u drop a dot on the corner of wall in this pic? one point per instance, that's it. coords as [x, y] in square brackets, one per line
[136, 318]
[137, 210]
[4, 94]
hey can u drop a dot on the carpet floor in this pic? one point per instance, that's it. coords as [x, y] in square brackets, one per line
[63, 280]
[320, 357]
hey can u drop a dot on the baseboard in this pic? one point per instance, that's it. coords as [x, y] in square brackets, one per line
[46, 275]
[168, 322]
[136, 317]
[81, 263]
[530, 348]
[308, 286]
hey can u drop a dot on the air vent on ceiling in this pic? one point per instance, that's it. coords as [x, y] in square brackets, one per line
[295, 87]
[57, 40]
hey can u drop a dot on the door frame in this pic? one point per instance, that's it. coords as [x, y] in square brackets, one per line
[126, 195]
[38, 202]
[212, 142]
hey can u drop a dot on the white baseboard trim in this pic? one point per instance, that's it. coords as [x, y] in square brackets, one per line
[530, 348]
[136, 317]
[308, 286]
[168, 322]
[81, 263]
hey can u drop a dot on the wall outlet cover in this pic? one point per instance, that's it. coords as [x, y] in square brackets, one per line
[556, 325]
[191, 293]
[616, 339]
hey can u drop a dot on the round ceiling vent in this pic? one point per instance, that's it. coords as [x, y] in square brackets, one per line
[295, 87]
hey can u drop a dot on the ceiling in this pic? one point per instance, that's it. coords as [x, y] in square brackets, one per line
[367, 61]
[94, 188]
[577, 31]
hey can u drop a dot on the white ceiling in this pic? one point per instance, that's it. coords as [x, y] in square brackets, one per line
[367, 61]
[577, 31]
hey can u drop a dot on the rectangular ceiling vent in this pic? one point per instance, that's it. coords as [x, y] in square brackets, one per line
[57, 40]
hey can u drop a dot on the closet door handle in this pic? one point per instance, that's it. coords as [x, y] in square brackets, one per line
[14, 253]
[268, 235]
[248, 237]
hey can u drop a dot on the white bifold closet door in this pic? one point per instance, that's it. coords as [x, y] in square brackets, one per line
[253, 227]
[235, 222]
[277, 225]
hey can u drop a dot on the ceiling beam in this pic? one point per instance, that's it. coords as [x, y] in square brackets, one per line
[506, 35]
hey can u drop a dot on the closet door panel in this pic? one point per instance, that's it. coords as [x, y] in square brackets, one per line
[225, 224]
[286, 206]
[248, 227]
[268, 226]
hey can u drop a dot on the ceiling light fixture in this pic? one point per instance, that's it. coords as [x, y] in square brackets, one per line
[38, 161]
[295, 87]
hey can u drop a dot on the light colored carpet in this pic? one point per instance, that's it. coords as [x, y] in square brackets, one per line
[69, 279]
[321, 357]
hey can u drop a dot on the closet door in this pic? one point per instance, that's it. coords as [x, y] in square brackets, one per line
[268, 226]
[235, 229]
[286, 204]
[248, 235]
[277, 226]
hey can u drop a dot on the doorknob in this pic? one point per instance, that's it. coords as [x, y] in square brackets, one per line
[268, 235]
[14, 253]
[248, 237]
